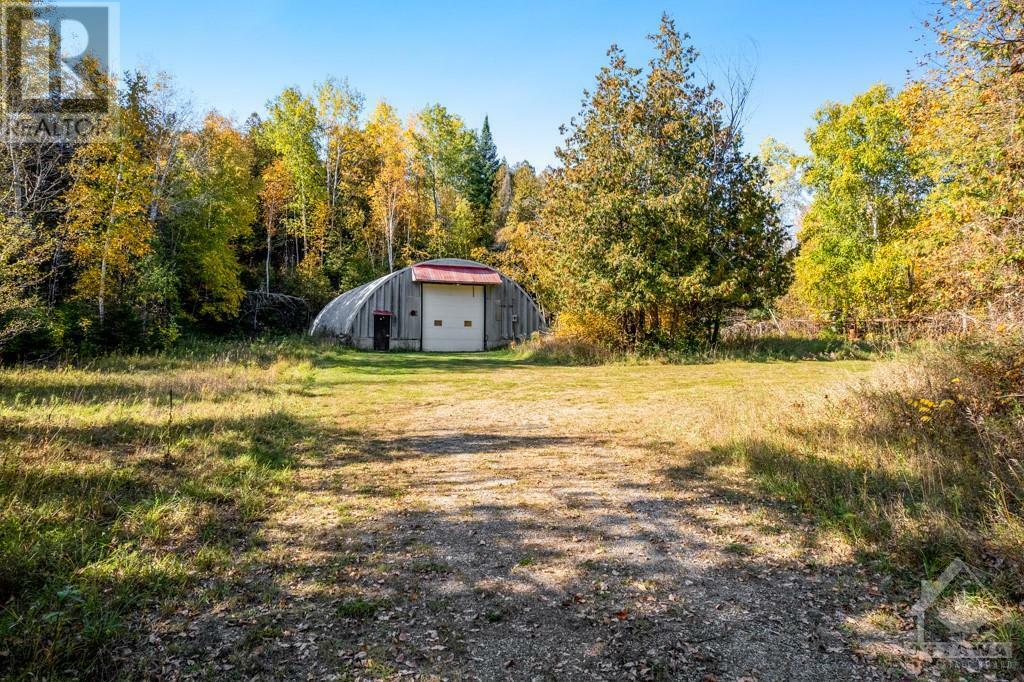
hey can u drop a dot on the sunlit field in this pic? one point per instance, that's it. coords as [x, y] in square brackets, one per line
[286, 509]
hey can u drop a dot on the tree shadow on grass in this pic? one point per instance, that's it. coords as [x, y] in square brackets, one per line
[394, 363]
[100, 526]
[267, 437]
[567, 577]
[463, 443]
[106, 526]
[802, 478]
[449, 568]
[893, 514]
[914, 515]
[793, 349]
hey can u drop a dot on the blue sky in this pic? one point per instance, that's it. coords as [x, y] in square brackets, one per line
[523, 63]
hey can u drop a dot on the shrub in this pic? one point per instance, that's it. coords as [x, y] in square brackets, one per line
[589, 328]
[922, 463]
[551, 349]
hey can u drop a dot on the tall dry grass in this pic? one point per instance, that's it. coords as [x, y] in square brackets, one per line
[125, 481]
[920, 464]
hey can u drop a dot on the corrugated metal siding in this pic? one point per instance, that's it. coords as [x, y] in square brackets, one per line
[350, 316]
[398, 294]
[508, 301]
[454, 274]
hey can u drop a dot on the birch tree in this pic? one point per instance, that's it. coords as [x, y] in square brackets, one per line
[220, 198]
[275, 193]
[292, 132]
[389, 191]
[107, 210]
[867, 191]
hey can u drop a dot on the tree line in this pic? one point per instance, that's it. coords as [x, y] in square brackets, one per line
[182, 223]
[654, 228]
[911, 201]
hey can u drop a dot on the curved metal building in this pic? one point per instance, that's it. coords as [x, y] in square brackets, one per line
[438, 305]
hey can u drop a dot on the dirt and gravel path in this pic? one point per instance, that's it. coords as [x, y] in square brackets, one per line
[461, 540]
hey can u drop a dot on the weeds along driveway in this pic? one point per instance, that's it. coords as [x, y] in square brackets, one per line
[472, 517]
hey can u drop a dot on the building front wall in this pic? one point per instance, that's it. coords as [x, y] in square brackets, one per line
[509, 313]
[453, 317]
[364, 343]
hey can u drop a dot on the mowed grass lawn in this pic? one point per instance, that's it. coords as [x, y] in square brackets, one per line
[277, 509]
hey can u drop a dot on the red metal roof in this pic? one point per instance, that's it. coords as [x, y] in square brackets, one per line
[454, 274]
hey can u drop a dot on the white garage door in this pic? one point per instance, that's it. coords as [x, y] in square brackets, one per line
[453, 317]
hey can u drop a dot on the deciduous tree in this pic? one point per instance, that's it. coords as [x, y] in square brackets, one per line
[390, 188]
[854, 258]
[291, 129]
[219, 208]
[107, 208]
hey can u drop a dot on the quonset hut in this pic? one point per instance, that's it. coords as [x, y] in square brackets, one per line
[438, 305]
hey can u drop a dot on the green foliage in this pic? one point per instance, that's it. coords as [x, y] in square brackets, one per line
[483, 167]
[917, 197]
[291, 132]
[21, 256]
[172, 228]
[152, 221]
[389, 192]
[658, 220]
[219, 207]
[89, 542]
[867, 190]
[785, 176]
[966, 125]
[444, 149]
[360, 609]
[444, 157]
[518, 249]
[108, 225]
[918, 465]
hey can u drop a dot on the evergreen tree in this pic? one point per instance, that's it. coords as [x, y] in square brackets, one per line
[501, 197]
[483, 169]
[659, 223]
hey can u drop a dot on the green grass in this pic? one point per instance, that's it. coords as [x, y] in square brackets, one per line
[916, 468]
[360, 609]
[114, 500]
[554, 350]
[925, 457]
[428, 566]
[738, 548]
[127, 480]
